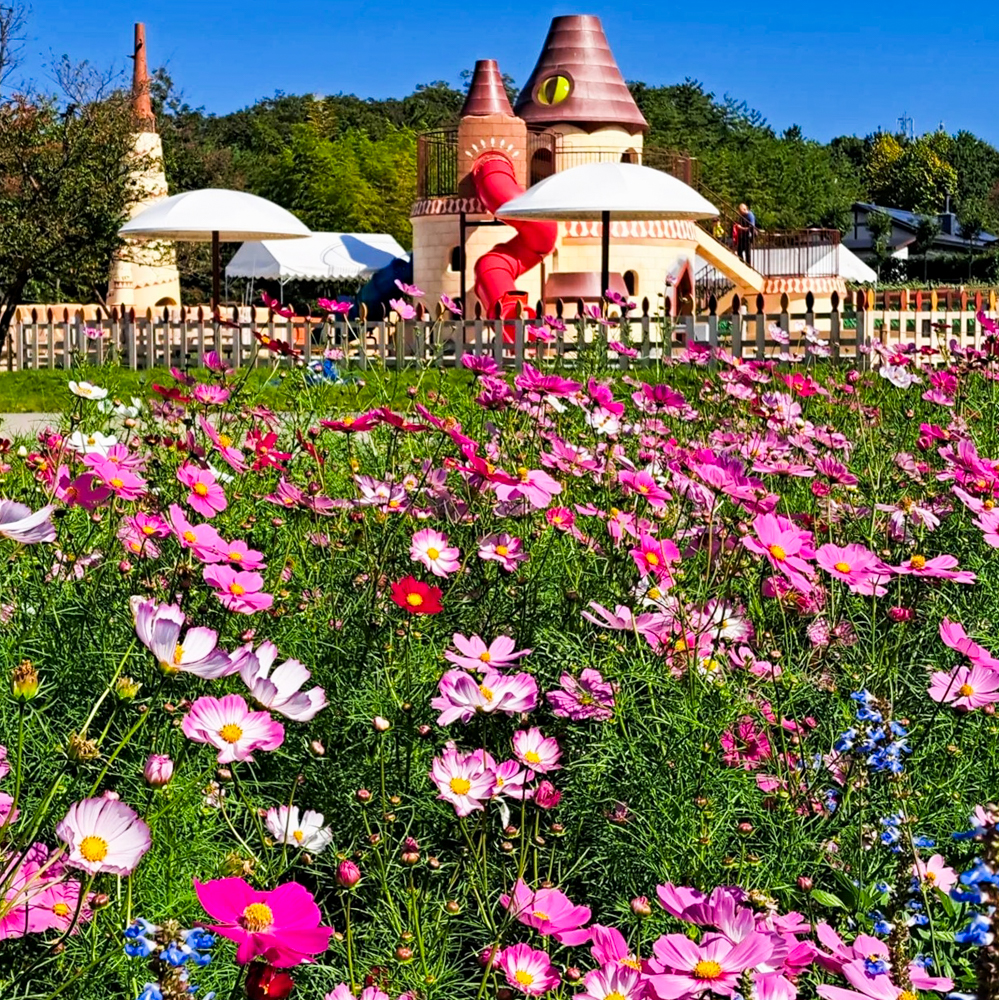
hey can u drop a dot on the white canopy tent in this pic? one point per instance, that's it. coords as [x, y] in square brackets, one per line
[319, 257]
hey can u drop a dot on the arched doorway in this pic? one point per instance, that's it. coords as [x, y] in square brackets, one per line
[542, 165]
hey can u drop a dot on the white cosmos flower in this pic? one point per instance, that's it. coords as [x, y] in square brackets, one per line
[603, 421]
[899, 376]
[278, 689]
[120, 409]
[86, 390]
[92, 444]
[306, 830]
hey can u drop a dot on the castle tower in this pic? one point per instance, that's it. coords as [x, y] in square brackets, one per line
[144, 275]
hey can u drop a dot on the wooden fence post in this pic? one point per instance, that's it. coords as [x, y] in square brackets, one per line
[834, 327]
[736, 327]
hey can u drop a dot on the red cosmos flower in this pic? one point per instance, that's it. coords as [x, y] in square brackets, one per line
[263, 447]
[354, 425]
[171, 392]
[415, 597]
[275, 307]
[264, 982]
[281, 347]
[399, 421]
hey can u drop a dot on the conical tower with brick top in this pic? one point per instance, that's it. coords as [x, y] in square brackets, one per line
[144, 275]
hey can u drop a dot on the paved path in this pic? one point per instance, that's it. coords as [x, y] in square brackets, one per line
[14, 425]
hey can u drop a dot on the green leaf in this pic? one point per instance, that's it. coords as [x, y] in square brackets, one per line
[824, 898]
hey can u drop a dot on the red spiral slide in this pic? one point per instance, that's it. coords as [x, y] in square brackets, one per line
[497, 271]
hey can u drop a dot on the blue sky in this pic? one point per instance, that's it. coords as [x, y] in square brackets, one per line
[831, 67]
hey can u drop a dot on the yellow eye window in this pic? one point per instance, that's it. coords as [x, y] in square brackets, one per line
[554, 90]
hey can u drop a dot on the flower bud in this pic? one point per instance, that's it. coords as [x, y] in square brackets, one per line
[744, 829]
[317, 748]
[125, 688]
[640, 906]
[404, 954]
[901, 614]
[381, 724]
[547, 796]
[363, 795]
[452, 907]
[24, 681]
[805, 884]
[348, 874]
[410, 857]
[158, 770]
[572, 974]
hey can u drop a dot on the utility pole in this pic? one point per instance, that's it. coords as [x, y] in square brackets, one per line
[906, 126]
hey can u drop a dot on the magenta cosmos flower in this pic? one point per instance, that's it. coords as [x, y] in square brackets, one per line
[504, 549]
[785, 546]
[103, 835]
[613, 981]
[238, 590]
[430, 548]
[158, 627]
[202, 539]
[19, 524]
[682, 968]
[283, 925]
[939, 567]
[539, 752]
[865, 986]
[462, 697]
[966, 688]
[474, 654]
[229, 725]
[528, 970]
[549, 912]
[587, 697]
[206, 496]
[279, 688]
[464, 780]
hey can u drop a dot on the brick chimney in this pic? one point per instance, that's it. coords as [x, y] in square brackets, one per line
[141, 102]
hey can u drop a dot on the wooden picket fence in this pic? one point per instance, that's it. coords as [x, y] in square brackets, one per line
[181, 338]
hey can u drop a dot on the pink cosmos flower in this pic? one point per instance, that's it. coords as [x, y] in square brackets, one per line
[528, 970]
[644, 485]
[654, 555]
[237, 590]
[103, 835]
[223, 444]
[464, 780]
[745, 746]
[504, 549]
[865, 946]
[510, 777]
[549, 912]
[123, 483]
[953, 635]
[19, 524]
[229, 726]
[540, 753]
[430, 548]
[403, 308]
[853, 564]
[682, 968]
[531, 380]
[534, 485]
[241, 555]
[474, 654]
[85, 490]
[279, 688]
[344, 992]
[966, 688]
[206, 496]
[461, 697]
[935, 873]
[865, 986]
[202, 539]
[282, 926]
[588, 697]
[939, 567]
[785, 546]
[613, 981]
[211, 394]
[678, 900]
[134, 543]
[158, 627]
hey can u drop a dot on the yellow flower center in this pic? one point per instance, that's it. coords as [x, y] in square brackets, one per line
[190, 536]
[299, 836]
[780, 555]
[842, 567]
[907, 995]
[117, 483]
[201, 489]
[651, 558]
[414, 600]
[484, 656]
[930, 876]
[460, 786]
[231, 733]
[257, 917]
[541, 915]
[148, 529]
[433, 553]
[615, 996]
[917, 562]
[347, 421]
[523, 978]
[235, 556]
[93, 849]
[501, 550]
[135, 546]
[178, 655]
[655, 593]
[61, 909]
[965, 690]
[532, 757]
[706, 969]
[237, 588]
[225, 440]
[988, 504]
[486, 693]
[632, 963]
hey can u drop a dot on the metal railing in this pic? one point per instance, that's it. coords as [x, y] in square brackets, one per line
[437, 163]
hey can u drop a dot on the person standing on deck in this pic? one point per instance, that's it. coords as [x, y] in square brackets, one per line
[745, 233]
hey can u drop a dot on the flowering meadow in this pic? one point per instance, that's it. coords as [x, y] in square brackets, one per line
[645, 683]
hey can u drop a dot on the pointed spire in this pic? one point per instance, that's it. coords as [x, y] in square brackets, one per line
[141, 102]
[577, 81]
[486, 93]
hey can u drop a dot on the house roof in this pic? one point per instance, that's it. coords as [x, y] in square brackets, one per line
[911, 221]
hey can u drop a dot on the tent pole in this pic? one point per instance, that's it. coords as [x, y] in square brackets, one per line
[604, 253]
[215, 271]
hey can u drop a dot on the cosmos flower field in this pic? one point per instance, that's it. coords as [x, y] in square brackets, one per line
[574, 682]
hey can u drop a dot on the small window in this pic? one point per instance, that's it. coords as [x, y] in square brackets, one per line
[629, 156]
[631, 282]
[455, 264]
[542, 165]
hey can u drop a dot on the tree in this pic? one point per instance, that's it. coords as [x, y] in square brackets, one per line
[910, 174]
[972, 220]
[63, 190]
[879, 225]
[926, 232]
[13, 19]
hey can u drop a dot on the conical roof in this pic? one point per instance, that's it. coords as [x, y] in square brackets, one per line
[576, 80]
[141, 103]
[486, 93]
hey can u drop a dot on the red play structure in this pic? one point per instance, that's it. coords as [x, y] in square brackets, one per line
[496, 272]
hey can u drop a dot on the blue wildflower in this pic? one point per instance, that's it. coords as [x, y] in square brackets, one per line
[874, 965]
[978, 932]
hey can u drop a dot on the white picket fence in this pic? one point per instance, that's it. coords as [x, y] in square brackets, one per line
[181, 338]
